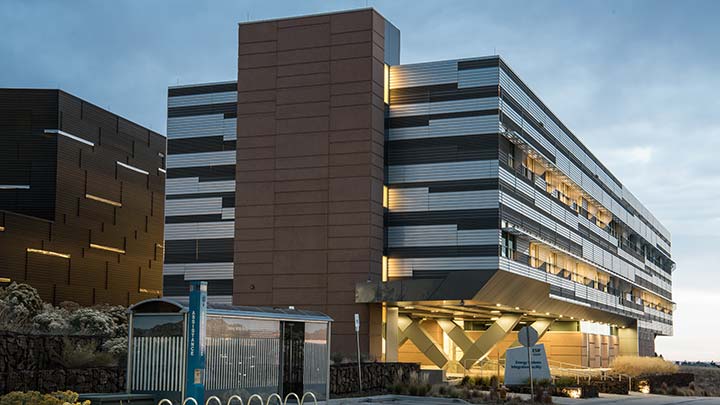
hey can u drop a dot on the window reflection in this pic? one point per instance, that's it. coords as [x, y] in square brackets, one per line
[157, 325]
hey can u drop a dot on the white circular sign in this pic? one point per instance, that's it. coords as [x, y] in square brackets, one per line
[528, 336]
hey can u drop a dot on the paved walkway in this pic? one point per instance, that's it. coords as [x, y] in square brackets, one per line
[639, 399]
[605, 399]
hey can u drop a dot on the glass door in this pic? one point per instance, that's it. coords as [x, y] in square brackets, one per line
[293, 342]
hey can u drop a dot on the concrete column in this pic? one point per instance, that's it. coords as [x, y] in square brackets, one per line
[391, 335]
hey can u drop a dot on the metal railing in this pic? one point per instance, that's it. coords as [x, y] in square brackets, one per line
[558, 369]
[299, 400]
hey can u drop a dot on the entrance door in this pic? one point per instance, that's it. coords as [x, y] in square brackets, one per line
[293, 342]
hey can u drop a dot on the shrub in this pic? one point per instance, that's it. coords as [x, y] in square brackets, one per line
[83, 354]
[90, 321]
[635, 366]
[36, 398]
[19, 304]
[116, 346]
[51, 320]
[69, 306]
[118, 314]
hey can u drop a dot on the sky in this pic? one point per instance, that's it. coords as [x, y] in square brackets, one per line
[636, 81]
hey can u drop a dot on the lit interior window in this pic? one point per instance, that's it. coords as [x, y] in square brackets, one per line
[108, 248]
[48, 253]
[386, 86]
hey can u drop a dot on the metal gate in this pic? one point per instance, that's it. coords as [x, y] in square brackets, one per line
[157, 364]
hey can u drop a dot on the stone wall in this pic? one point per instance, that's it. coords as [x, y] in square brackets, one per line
[375, 376]
[35, 362]
[106, 379]
[20, 352]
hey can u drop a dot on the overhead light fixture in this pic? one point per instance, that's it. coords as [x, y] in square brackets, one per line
[517, 308]
[494, 311]
[498, 305]
[547, 313]
[494, 318]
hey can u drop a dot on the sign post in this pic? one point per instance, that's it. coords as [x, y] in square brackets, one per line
[528, 337]
[196, 322]
[357, 335]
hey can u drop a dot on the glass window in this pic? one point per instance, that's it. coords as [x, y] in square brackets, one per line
[508, 245]
[157, 325]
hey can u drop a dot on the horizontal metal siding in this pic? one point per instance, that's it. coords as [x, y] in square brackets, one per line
[423, 74]
[201, 230]
[407, 267]
[479, 77]
[202, 99]
[441, 107]
[517, 118]
[473, 169]
[192, 185]
[485, 124]
[440, 235]
[461, 200]
[201, 271]
[202, 126]
[193, 206]
[226, 157]
[409, 200]
[575, 174]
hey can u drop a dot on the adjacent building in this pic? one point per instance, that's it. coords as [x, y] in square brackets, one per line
[200, 206]
[82, 192]
[443, 202]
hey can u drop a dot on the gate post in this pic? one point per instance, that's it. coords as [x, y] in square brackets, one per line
[196, 325]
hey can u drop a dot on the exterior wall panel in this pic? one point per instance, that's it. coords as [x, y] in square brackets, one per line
[310, 167]
[95, 232]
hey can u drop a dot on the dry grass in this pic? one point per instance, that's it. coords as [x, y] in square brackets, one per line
[635, 366]
[707, 379]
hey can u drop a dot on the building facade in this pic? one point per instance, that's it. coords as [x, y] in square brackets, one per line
[498, 216]
[81, 200]
[443, 202]
[199, 211]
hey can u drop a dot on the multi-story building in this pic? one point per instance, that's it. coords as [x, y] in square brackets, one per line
[441, 201]
[199, 211]
[81, 200]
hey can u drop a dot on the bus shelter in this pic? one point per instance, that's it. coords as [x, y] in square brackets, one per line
[249, 350]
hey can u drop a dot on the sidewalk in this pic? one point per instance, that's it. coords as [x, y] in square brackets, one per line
[605, 399]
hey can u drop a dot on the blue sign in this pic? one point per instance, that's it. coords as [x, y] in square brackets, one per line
[197, 317]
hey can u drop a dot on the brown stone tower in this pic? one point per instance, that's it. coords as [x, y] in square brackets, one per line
[309, 201]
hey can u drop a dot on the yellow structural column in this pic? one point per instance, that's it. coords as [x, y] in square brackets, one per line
[489, 339]
[392, 341]
[541, 326]
[411, 329]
